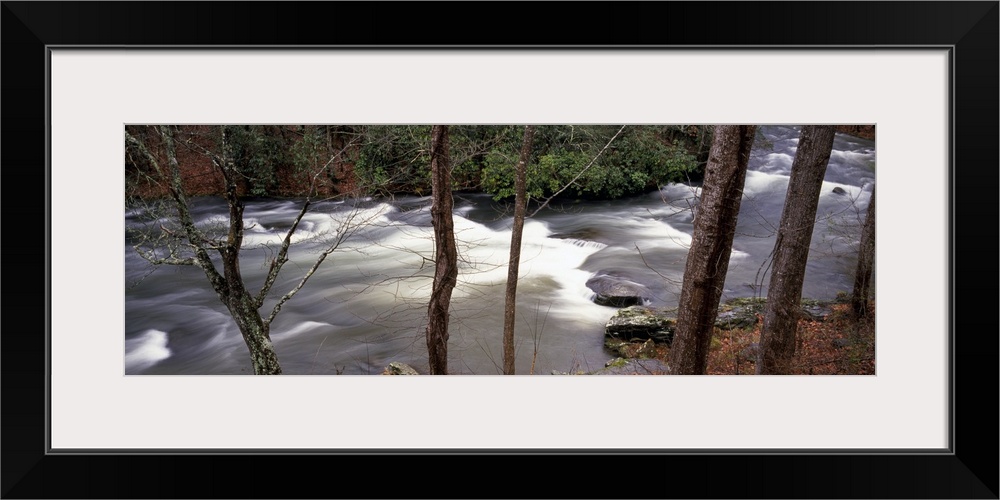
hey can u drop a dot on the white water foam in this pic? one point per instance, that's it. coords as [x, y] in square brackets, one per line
[656, 233]
[762, 182]
[854, 157]
[146, 350]
[317, 226]
[300, 328]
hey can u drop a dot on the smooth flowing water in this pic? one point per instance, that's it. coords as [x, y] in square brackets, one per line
[366, 305]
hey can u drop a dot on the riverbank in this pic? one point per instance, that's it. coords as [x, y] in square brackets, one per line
[834, 344]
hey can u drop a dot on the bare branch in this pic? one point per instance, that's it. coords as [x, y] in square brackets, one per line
[349, 227]
[282, 257]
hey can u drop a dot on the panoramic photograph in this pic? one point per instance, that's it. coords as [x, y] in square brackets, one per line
[588, 249]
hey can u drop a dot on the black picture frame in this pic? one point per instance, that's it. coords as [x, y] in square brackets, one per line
[969, 470]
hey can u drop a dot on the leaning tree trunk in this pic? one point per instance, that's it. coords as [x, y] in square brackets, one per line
[520, 207]
[446, 254]
[866, 259]
[711, 245]
[791, 250]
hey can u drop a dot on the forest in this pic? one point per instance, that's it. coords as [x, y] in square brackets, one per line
[499, 249]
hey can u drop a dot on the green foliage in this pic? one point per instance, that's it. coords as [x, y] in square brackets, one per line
[257, 153]
[307, 155]
[472, 144]
[279, 160]
[395, 158]
[640, 158]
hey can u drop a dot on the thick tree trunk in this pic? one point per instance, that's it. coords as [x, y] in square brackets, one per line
[241, 304]
[791, 250]
[520, 207]
[256, 332]
[446, 254]
[711, 246]
[228, 285]
[866, 260]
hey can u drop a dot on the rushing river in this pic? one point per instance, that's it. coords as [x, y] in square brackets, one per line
[366, 305]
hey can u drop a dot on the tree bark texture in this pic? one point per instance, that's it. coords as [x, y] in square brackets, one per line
[445, 252]
[520, 207]
[866, 261]
[791, 249]
[229, 286]
[241, 304]
[711, 246]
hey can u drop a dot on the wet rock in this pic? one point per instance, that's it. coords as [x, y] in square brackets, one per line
[587, 233]
[617, 291]
[642, 323]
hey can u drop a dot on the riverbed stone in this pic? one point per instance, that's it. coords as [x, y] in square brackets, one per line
[616, 291]
[642, 323]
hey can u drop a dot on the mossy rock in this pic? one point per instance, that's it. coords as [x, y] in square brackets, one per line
[642, 323]
[616, 363]
[626, 349]
[755, 304]
[742, 313]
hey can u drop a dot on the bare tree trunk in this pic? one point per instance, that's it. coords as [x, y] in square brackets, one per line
[255, 330]
[711, 246]
[866, 259]
[791, 250]
[242, 306]
[228, 284]
[520, 207]
[446, 253]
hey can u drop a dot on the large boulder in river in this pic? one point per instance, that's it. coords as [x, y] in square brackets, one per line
[617, 291]
[641, 323]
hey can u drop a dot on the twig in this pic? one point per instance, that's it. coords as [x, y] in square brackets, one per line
[578, 175]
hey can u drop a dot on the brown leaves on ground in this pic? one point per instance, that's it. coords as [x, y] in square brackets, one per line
[837, 346]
